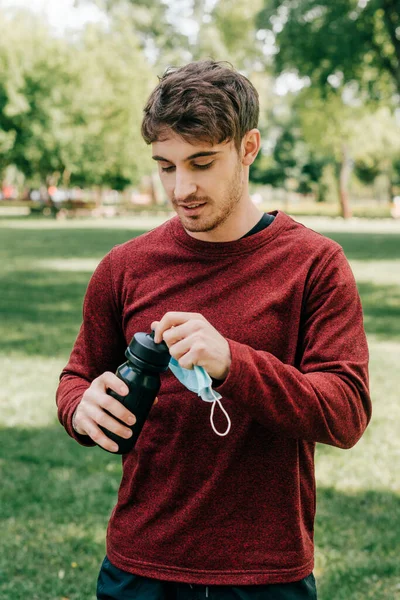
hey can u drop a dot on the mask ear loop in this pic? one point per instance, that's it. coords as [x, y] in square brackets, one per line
[212, 419]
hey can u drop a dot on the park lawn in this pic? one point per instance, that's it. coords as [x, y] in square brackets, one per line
[56, 496]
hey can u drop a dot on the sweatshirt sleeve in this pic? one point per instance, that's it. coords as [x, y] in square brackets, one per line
[99, 347]
[324, 397]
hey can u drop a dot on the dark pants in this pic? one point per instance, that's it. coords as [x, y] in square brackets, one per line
[114, 584]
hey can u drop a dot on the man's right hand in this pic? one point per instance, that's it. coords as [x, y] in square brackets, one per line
[90, 412]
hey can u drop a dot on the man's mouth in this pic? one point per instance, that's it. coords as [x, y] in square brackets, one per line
[192, 204]
[193, 207]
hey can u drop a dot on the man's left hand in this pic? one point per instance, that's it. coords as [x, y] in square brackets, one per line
[192, 340]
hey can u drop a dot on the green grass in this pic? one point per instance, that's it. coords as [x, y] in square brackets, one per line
[365, 210]
[56, 497]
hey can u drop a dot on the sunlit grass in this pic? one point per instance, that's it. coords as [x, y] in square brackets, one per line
[56, 496]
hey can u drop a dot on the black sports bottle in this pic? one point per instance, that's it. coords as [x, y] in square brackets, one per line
[141, 373]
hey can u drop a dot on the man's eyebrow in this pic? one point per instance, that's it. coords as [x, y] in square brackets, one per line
[191, 157]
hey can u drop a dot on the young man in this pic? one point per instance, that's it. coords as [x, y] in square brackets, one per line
[271, 311]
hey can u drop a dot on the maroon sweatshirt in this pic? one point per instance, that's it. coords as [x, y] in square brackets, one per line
[234, 510]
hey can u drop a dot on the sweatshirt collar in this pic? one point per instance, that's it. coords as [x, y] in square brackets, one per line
[241, 246]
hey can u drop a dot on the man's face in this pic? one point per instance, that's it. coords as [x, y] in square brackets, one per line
[204, 182]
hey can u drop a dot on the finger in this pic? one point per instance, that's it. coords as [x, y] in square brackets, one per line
[188, 361]
[154, 325]
[116, 408]
[100, 417]
[110, 380]
[155, 401]
[172, 319]
[182, 347]
[100, 438]
[180, 332]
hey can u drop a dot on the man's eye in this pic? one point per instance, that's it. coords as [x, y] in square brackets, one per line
[171, 168]
[207, 166]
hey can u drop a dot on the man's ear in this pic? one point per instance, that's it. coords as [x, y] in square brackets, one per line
[251, 144]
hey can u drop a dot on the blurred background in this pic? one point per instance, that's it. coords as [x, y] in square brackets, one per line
[76, 178]
[74, 78]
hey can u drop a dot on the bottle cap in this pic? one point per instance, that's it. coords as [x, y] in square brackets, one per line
[144, 348]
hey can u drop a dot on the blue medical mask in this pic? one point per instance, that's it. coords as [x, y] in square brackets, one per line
[198, 380]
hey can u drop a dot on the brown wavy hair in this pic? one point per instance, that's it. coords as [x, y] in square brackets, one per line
[203, 100]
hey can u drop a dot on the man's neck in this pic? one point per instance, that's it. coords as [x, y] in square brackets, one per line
[235, 227]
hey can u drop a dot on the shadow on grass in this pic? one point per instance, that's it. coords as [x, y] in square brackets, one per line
[381, 308]
[57, 496]
[43, 311]
[43, 308]
[357, 544]
[62, 243]
[52, 470]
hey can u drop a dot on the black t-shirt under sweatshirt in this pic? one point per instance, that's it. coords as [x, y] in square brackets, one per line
[263, 223]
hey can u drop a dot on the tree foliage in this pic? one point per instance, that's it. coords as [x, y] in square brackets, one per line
[349, 53]
[71, 109]
[340, 41]
[293, 162]
[115, 84]
[176, 31]
[37, 79]
[155, 25]
[328, 123]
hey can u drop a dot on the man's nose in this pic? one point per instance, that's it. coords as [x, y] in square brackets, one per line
[184, 186]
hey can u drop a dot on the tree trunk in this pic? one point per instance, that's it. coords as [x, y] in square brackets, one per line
[66, 177]
[392, 22]
[344, 178]
[391, 187]
[98, 196]
[388, 170]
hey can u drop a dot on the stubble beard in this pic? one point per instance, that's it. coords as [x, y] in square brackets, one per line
[200, 223]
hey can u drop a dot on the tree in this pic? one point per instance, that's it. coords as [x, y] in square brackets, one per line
[173, 32]
[72, 110]
[37, 83]
[291, 160]
[115, 83]
[350, 52]
[159, 35]
[340, 41]
[346, 133]
[228, 32]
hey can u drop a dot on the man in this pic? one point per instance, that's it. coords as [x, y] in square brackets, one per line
[271, 311]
